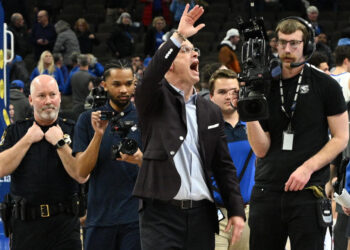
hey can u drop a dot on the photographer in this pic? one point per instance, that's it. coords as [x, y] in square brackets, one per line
[112, 220]
[293, 147]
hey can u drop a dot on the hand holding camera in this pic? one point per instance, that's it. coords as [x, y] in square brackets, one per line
[98, 123]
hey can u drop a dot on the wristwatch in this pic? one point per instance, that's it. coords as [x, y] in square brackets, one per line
[60, 143]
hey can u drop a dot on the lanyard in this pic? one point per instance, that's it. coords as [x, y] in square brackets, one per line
[294, 100]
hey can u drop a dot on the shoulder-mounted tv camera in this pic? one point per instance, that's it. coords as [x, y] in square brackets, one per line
[258, 69]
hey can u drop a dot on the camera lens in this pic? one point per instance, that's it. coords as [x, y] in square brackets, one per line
[129, 146]
[253, 107]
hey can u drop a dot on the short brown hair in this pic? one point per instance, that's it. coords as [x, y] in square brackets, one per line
[289, 26]
[220, 73]
[340, 53]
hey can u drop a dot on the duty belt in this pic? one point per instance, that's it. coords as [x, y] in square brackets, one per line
[32, 212]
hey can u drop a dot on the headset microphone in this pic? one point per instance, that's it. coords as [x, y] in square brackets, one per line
[309, 45]
[295, 65]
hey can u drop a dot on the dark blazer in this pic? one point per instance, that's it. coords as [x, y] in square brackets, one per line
[162, 120]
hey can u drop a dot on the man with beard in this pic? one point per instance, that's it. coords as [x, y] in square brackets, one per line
[293, 147]
[224, 88]
[112, 218]
[36, 153]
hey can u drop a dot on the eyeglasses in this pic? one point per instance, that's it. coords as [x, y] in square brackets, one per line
[294, 44]
[186, 49]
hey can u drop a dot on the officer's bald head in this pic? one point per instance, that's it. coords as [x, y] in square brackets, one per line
[41, 81]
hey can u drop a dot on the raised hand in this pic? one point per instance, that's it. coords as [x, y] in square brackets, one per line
[54, 134]
[188, 18]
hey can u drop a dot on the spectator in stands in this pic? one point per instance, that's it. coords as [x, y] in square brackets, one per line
[177, 8]
[312, 16]
[20, 102]
[86, 38]
[15, 6]
[155, 8]
[16, 70]
[154, 36]
[322, 46]
[80, 85]
[20, 33]
[138, 68]
[227, 50]
[121, 41]
[68, 90]
[95, 68]
[341, 73]
[58, 60]
[136, 62]
[46, 66]
[43, 34]
[66, 42]
[320, 61]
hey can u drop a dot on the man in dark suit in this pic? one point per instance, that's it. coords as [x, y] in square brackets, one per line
[184, 145]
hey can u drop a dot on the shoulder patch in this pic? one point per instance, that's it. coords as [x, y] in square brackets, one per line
[68, 121]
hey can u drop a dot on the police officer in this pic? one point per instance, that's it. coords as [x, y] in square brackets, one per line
[37, 154]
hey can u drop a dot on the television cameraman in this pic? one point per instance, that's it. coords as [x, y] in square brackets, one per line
[293, 146]
[112, 219]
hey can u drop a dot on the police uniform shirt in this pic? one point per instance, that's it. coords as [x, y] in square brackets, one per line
[41, 176]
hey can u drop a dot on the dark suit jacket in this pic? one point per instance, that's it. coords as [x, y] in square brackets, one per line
[162, 120]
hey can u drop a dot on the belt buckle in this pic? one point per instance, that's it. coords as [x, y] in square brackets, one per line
[186, 204]
[44, 210]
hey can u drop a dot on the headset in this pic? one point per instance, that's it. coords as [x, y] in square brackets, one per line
[310, 45]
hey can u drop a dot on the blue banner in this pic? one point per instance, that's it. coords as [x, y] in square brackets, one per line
[4, 121]
[4, 92]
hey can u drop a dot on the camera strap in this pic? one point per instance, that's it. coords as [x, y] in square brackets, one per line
[294, 100]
